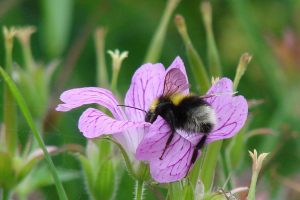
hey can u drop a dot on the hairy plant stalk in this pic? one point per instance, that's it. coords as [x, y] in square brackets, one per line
[9, 108]
[212, 51]
[209, 160]
[226, 167]
[139, 190]
[100, 35]
[24, 35]
[251, 193]
[157, 41]
[197, 66]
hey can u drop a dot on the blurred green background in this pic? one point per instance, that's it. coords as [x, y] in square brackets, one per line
[269, 30]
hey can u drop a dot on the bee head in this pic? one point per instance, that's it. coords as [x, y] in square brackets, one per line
[150, 117]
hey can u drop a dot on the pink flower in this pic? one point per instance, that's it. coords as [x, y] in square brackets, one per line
[147, 141]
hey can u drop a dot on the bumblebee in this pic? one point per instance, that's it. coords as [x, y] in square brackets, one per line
[186, 112]
[189, 113]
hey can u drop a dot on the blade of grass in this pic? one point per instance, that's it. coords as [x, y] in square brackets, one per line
[27, 115]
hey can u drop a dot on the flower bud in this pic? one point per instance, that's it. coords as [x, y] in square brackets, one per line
[117, 59]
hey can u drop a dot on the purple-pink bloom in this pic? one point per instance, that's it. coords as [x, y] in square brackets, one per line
[145, 140]
[231, 113]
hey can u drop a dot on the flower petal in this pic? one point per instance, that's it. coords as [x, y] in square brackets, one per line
[175, 82]
[176, 161]
[221, 88]
[88, 95]
[94, 123]
[231, 117]
[152, 145]
[231, 111]
[175, 164]
[146, 85]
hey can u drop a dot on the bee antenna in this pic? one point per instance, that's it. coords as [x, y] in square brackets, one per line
[133, 108]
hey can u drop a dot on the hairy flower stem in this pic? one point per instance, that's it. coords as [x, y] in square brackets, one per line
[212, 51]
[251, 193]
[209, 163]
[225, 165]
[197, 66]
[24, 35]
[139, 190]
[157, 41]
[9, 108]
[102, 75]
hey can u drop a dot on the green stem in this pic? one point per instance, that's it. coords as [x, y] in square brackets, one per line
[139, 190]
[225, 165]
[212, 51]
[27, 53]
[196, 63]
[157, 41]
[28, 117]
[210, 158]
[114, 81]
[10, 108]
[5, 194]
[100, 35]
[251, 193]
[126, 158]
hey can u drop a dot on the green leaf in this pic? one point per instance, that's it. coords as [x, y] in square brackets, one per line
[210, 158]
[175, 191]
[41, 176]
[88, 174]
[105, 184]
[188, 192]
[28, 117]
[126, 158]
[7, 174]
[31, 162]
[215, 196]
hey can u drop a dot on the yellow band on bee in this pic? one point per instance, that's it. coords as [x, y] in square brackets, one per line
[177, 98]
[154, 105]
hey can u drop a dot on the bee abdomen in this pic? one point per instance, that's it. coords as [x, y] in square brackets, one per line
[201, 119]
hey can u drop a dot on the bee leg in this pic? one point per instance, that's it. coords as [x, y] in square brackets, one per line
[197, 148]
[206, 129]
[170, 118]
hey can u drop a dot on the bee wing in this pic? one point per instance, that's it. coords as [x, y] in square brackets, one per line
[176, 161]
[175, 82]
